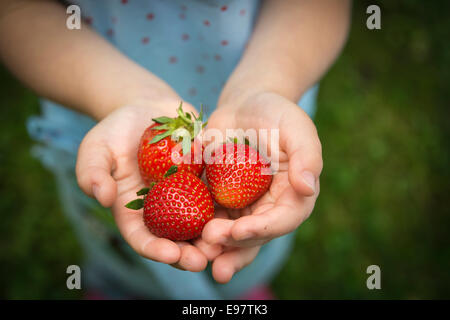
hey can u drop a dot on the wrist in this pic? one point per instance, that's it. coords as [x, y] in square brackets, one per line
[157, 96]
[238, 94]
[243, 99]
[234, 96]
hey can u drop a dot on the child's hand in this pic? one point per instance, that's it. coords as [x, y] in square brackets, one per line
[107, 169]
[294, 188]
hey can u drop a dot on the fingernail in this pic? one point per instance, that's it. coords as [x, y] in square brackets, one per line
[95, 190]
[309, 179]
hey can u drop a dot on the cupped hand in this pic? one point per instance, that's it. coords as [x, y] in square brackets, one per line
[294, 189]
[107, 169]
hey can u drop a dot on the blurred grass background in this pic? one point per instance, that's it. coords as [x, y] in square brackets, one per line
[383, 113]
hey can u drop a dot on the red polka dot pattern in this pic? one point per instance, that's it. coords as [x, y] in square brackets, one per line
[200, 69]
[184, 10]
[192, 92]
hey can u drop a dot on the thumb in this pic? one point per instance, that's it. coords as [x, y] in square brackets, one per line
[93, 171]
[302, 145]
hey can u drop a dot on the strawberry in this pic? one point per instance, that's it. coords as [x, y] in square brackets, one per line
[237, 179]
[177, 207]
[157, 149]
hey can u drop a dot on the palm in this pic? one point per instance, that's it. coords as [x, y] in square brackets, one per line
[222, 119]
[263, 114]
[116, 140]
[285, 205]
[122, 137]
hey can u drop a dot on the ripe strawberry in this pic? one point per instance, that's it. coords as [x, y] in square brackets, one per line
[157, 148]
[176, 208]
[236, 179]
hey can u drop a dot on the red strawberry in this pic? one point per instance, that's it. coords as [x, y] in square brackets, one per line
[157, 148]
[176, 208]
[237, 179]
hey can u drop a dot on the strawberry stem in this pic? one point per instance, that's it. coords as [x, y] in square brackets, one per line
[183, 121]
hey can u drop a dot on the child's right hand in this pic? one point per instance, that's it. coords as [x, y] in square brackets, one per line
[107, 169]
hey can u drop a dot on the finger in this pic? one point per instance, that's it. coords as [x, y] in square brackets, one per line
[284, 217]
[211, 251]
[217, 228]
[304, 154]
[229, 263]
[217, 231]
[246, 243]
[146, 244]
[192, 259]
[93, 171]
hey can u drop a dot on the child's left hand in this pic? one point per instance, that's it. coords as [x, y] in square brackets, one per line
[294, 189]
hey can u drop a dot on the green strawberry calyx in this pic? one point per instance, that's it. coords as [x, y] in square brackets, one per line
[235, 140]
[185, 127]
[172, 170]
[138, 203]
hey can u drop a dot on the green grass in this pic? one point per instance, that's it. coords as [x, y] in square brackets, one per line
[36, 242]
[383, 121]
